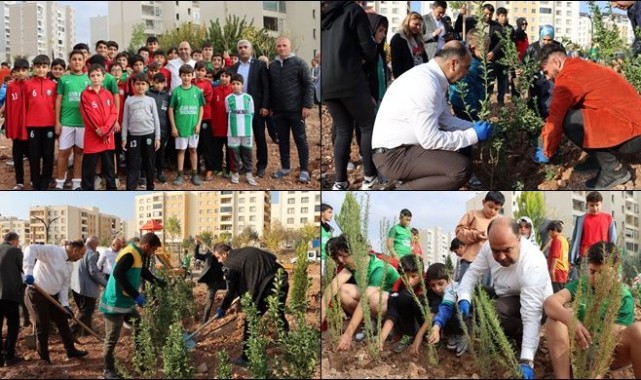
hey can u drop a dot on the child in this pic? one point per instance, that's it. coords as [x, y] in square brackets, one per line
[140, 133]
[399, 237]
[526, 229]
[472, 228]
[416, 244]
[205, 143]
[40, 106]
[197, 55]
[58, 67]
[219, 120]
[474, 83]
[458, 248]
[69, 123]
[441, 295]
[118, 73]
[185, 116]
[218, 67]
[123, 59]
[138, 65]
[208, 53]
[99, 113]
[112, 51]
[558, 257]
[152, 69]
[14, 111]
[161, 96]
[593, 227]
[144, 53]
[240, 108]
[152, 48]
[161, 60]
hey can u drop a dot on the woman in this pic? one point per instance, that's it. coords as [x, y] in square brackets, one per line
[377, 71]
[314, 71]
[406, 46]
[522, 40]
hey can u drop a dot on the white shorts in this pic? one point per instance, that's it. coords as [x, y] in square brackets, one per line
[183, 142]
[71, 136]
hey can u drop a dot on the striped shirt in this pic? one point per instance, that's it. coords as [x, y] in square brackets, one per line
[240, 112]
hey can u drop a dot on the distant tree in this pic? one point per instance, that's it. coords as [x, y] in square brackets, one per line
[245, 238]
[274, 236]
[173, 229]
[196, 35]
[224, 38]
[138, 37]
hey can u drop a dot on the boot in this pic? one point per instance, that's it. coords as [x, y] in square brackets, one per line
[587, 165]
[611, 172]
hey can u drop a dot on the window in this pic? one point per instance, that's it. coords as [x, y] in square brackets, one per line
[189, 11]
[304, 200]
[533, 10]
[569, 4]
[314, 33]
[241, 200]
[291, 211]
[568, 13]
[304, 210]
[303, 220]
[290, 220]
[291, 201]
[252, 200]
[252, 218]
[314, 14]
[558, 13]
[241, 209]
[252, 209]
[241, 218]
[270, 23]
[395, 11]
[545, 11]
[177, 17]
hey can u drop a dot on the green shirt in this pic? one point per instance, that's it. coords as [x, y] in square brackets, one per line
[110, 83]
[325, 236]
[186, 104]
[626, 311]
[70, 87]
[379, 270]
[402, 240]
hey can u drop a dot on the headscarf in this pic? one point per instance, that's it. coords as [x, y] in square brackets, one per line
[546, 30]
[520, 33]
[532, 237]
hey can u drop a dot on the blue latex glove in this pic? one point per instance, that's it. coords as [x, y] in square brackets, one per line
[140, 300]
[220, 313]
[483, 130]
[29, 280]
[539, 157]
[464, 307]
[526, 371]
[69, 312]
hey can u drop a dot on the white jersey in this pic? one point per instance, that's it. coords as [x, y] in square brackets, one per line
[240, 113]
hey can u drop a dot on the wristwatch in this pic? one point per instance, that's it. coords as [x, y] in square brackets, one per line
[530, 363]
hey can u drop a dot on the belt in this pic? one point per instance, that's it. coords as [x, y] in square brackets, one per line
[380, 150]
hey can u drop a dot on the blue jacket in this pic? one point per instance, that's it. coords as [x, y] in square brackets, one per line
[3, 94]
[475, 90]
[578, 233]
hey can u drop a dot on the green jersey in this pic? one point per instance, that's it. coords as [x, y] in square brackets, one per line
[402, 240]
[187, 105]
[70, 87]
[110, 83]
[325, 236]
[626, 310]
[379, 271]
[240, 113]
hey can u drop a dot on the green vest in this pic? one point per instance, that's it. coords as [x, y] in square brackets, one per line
[114, 300]
[325, 236]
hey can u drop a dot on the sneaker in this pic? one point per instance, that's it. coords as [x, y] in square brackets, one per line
[180, 180]
[340, 186]
[374, 184]
[97, 182]
[235, 178]
[405, 342]
[359, 336]
[350, 166]
[126, 325]
[260, 173]
[10, 163]
[13, 360]
[76, 353]
[280, 173]
[108, 374]
[161, 178]
[304, 177]
[606, 180]
[219, 173]
[195, 179]
[474, 182]
[251, 180]
[142, 182]
[18, 187]
[457, 343]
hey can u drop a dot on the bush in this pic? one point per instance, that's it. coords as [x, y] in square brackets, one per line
[175, 354]
[224, 370]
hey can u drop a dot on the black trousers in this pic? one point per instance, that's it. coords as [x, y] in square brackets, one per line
[405, 313]
[218, 144]
[44, 312]
[9, 310]
[294, 122]
[211, 297]
[86, 306]
[42, 142]
[574, 130]
[160, 155]
[258, 127]
[140, 155]
[89, 161]
[19, 150]
[206, 144]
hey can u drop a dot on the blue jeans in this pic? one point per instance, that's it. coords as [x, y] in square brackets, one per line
[285, 122]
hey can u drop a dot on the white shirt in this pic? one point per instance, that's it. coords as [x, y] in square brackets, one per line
[174, 67]
[106, 260]
[52, 271]
[528, 277]
[243, 69]
[414, 111]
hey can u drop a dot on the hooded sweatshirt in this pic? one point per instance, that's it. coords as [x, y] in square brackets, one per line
[532, 236]
[377, 70]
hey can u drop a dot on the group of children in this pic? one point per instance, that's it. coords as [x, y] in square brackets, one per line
[115, 111]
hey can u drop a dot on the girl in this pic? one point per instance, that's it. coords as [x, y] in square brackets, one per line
[58, 67]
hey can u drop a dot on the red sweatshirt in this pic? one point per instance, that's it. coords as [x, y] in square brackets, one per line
[167, 76]
[218, 112]
[40, 102]
[15, 111]
[98, 111]
[208, 92]
[121, 92]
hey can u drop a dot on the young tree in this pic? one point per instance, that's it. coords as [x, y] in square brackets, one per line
[274, 236]
[224, 38]
[173, 229]
[186, 31]
[138, 37]
[245, 238]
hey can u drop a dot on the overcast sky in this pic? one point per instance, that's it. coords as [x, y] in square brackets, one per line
[84, 11]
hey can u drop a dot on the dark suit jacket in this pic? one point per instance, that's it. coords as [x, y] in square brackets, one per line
[257, 83]
[212, 273]
[10, 273]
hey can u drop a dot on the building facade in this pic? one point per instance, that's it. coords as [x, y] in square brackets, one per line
[19, 226]
[435, 244]
[296, 209]
[55, 224]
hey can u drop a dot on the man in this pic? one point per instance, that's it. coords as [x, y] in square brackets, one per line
[52, 273]
[521, 283]
[256, 84]
[416, 139]
[592, 116]
[250, 270]
[434, 30]
[212, 275]
[184, 58]
[10, 296]
[107, 258]
[634, 14]
[85, 284]
[121, 294]
[292, 99]
[628, 350]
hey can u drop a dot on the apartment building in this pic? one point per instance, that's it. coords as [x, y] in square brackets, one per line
[586, 27]
[435, 244]
[5, 30]
[395, 11]
[19, 226]
[55, 224]
[295, 209]
[235, 210]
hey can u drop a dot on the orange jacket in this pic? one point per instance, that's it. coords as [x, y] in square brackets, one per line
[609, 104]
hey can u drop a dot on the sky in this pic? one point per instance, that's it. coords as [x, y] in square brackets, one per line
[429, 208]
[84, 11]
[416, 5]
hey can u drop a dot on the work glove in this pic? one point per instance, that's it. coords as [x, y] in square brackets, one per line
[220, 313]
[539, 157]
[68, 311]
[140, 300]
[464, 307]
[526, 371]
[483, 130]
[29, 280]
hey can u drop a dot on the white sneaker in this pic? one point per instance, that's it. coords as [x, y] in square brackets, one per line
[235, 178]
[375, 184]
[340, 186]
[97, 183]
[251, 180]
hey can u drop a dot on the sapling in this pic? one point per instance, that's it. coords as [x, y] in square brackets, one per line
[224, 369]
[257, 342]
[175, 354]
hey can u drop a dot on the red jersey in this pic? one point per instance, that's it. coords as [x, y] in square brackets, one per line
[40, 102]
[98, 111]
[208, 92]
[15, 111]
[167, 74]
[596, 228]
[218, 112]
[121, 92]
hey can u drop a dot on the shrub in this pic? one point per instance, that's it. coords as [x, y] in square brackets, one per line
[175, 354]
[224, 370]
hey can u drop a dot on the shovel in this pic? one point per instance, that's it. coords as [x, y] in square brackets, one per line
[191, 342]
[30, 340]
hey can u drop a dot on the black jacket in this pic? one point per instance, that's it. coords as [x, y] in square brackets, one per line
[346, 37]
[10, 273]
[212, 273]
[372, 68]
[290, 85]
[162, 104]
[257, 83]
[402, 59]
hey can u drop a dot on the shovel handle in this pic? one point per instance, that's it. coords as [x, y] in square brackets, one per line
[236, 300]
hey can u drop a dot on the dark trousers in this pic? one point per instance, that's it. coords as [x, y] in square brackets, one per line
[405, 313]
[86, 306]
[502, 75]
[118, 139]
[10, 311]
[422, 169]
[41, 147]
[206, 144]
[241, 157]
[160, 155]
[140, 155]
[294, 122]
[219, 143]
[44, 312]
[211, 298]
[508, 309]
[19, 150]
[89, 161]
[345, 113]
[271, 128]
[113, 326]
[258, 127]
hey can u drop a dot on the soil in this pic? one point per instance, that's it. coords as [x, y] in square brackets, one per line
[203, 357]
[7, 173]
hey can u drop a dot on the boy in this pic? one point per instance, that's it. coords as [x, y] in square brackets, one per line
[218, 66]
[185, 116]
[628, 350]
[102, 48]
[205, 142]
[458, 248]
[219, 121]
[161, 60]
[140, 133]
[161, 96]
[144, 53]
[152, 47]
[399, 237]
[14, 111]
[240, 108]
[472, 228]
[112, 51]
[40, 106]
[441, 295]
[138, 65]
[197, 55]
[558, 256]
[99, 114]
[69, 123]
[593, 227]
[123, 59]
[208, 53]
[118, 73]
